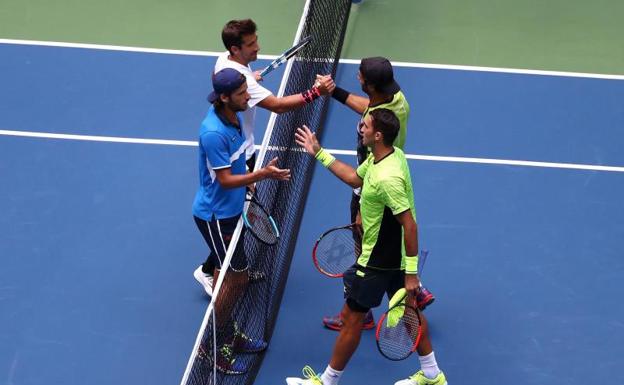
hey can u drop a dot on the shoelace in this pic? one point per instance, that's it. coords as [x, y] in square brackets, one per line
[311, 375]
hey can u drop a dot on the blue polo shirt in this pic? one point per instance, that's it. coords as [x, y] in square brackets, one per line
[221, 145]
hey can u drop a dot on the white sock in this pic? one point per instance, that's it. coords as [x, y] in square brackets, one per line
[429, 365]
[331, 376]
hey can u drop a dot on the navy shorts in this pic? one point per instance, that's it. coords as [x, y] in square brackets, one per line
[364, 288]
[217, 233]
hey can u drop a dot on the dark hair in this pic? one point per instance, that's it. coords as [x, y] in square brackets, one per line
[386, 122]
[232, 34]
[218, 103]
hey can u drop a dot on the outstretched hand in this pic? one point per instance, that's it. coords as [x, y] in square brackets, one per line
[271, 171]
[307, 139]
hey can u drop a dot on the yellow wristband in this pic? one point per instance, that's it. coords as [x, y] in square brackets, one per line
[325, 157]
[411, 265]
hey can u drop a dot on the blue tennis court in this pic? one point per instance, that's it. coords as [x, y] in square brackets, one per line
[99, 245]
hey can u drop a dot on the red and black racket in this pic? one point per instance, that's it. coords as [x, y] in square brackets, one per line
[337, 249]
[398, 331]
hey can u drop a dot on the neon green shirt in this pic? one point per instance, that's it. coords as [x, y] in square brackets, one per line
[386, 192]
[401, 109]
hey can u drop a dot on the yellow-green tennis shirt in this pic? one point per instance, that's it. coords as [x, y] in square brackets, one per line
[401, 109]
[386, 192]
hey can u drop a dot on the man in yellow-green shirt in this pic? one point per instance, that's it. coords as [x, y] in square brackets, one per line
[389, 258]
[376, 78]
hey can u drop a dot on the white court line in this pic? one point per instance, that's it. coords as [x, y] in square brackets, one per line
[433, 158]
[92, 138]
[345, 61]
[123, 48]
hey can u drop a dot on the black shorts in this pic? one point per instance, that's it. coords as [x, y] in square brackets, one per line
[217, 233]
[364, 288]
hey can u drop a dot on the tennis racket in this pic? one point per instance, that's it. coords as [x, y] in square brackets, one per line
[259, 222]
[337, 249]
[399, 330]
[286, 55]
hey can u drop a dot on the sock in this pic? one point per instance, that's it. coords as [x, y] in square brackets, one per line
[429, 365]
[331, 376]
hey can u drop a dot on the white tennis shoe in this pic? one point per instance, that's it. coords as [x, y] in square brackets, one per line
[204, 279]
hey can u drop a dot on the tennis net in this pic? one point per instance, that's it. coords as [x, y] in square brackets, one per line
[254, 313]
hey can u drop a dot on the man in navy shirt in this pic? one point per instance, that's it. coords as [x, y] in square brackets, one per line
[219, 202]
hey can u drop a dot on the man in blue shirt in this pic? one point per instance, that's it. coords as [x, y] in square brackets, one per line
[219, 201]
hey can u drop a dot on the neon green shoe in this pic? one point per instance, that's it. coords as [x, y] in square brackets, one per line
[310, 378]
[419, 379]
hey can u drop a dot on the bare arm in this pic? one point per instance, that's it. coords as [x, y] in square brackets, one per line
[283, 104]
[279, 105]
[229, 180]
[307, 139]
[410, 231]
[345, 173]
[357, 103]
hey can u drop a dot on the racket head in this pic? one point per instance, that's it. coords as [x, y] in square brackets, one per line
[290, 52]
[399, 339]
[260, 223]
[337, 249]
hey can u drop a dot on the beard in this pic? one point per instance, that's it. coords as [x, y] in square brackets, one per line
[238, 107]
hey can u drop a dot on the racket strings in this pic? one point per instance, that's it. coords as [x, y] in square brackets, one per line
[398, 341]
[260, 224]
[338, 250]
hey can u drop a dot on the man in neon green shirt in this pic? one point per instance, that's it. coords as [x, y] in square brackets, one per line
[389, 259]
[376, 78]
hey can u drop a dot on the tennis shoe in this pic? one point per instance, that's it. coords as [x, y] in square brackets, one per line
[419, 379]
[204, 279]
[226, 361]
[424, 298]
[241, 343]
[335, 322]
[309, 378]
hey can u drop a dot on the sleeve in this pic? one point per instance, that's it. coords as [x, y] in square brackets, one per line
[363, 168]
[216, 148]
[394, 194]
[256, 91]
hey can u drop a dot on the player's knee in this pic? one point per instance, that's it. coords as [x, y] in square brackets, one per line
[352, 314]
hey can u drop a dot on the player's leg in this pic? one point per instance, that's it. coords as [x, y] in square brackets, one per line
[203, 274]
[429, 373]
[348, 340]
[364, 289]
[230, 339]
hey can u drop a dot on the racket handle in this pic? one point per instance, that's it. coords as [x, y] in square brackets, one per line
[422, 261]
[266, 71]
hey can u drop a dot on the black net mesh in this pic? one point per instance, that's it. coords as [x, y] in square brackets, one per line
[255, 306]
